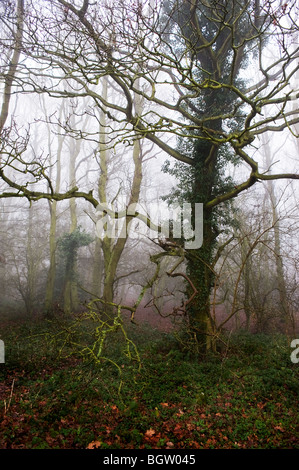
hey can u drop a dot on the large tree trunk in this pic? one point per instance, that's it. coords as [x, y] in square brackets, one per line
[200, 262]
[201, 275]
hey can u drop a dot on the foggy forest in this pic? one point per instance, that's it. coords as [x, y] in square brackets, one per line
[149, 206]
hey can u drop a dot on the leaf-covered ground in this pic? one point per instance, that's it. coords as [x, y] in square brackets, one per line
[246, 398]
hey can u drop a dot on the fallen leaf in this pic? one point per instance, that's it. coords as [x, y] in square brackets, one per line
[150, 433]
[50, 440]
[94, 445]
[169, 445]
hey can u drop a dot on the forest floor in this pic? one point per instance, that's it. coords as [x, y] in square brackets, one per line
[54, 398]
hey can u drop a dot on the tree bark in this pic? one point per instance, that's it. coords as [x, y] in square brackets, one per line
[10, 76]
[49, 296]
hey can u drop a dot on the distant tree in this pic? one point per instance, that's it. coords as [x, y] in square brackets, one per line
[51, 275]
[69, 245]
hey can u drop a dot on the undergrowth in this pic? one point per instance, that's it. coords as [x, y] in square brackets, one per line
[54, 397]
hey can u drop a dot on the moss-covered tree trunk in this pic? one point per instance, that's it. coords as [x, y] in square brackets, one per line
[200, 324]
[213, 69]
[200, 261]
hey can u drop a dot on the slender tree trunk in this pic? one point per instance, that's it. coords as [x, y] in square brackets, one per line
[113, 248]
[70, 294]
[281, 283]
[247, 281]
[49, 296]
[10, 76]
[68, 305]
[106, 243]
[97, 269]
[31, 266]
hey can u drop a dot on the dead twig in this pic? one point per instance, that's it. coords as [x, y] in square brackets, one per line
[6, 407]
